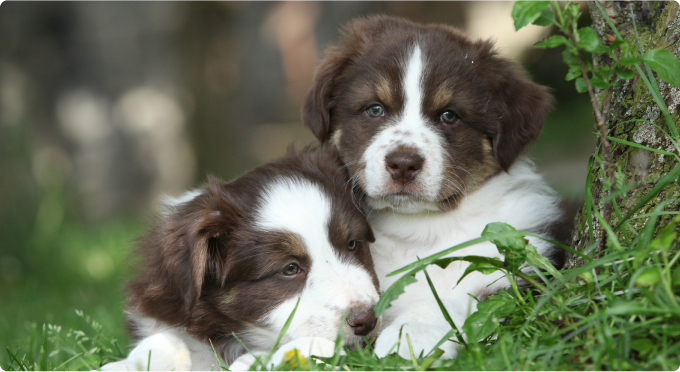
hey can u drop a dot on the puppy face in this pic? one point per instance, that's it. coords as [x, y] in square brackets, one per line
[235, 257]
[421, 115]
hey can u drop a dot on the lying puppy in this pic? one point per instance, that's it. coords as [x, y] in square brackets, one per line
[235, 257]
[431, 127]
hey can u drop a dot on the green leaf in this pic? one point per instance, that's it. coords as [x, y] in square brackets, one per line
[545, 19]
[394, 291]
[486, 319]
[551, 42]
[649, 277]
[630, 61]
[665, 64]
[666, 237]
[615, 44]
[581, 85]
[513, 248]
[642, 345]
[598, 83]
[570, 58]
[588, 40]
[525, 12]
[538, 260]
[573, 10]
[675, 278]
[573, 73]
[625, 74]
[485, 268]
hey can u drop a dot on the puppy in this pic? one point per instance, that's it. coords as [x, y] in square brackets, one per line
[431, 127]
[234, 258]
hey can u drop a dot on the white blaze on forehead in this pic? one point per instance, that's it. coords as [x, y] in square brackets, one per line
[332, 285]
[297, 206]
[413, 92]
[409, 128]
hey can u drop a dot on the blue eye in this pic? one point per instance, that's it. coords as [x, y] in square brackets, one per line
[376, 111]
[448, 117]
[291, 269]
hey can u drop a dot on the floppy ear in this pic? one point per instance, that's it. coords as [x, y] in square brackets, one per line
[518, 104]
[316, 110]
[198, 239]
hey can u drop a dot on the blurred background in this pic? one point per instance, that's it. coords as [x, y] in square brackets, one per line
[104, 106]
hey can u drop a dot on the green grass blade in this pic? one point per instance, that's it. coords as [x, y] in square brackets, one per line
[633, 144]
[278, 339]
[663, 182]
[443, 310]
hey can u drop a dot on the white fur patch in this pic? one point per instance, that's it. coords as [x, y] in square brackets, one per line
[520, 198]
[332, 286]
[409, 129]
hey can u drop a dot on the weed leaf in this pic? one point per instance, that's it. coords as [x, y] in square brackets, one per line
[551, 42]
[588, 40]
[665, 64]
[525, 12]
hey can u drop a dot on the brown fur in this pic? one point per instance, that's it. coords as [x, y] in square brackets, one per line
[500, 110]
[207, 269]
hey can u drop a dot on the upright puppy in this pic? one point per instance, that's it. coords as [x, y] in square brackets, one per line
[233, 258]
[431, 127]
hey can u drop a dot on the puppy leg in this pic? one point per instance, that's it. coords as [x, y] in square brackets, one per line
[425, 325]
[164, 350]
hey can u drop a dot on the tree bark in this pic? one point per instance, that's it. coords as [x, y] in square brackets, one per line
[658, 26]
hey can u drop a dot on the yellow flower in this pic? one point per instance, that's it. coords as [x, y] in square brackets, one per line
[292, 358]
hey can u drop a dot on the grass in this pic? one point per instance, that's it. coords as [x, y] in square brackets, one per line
[620, 311]
[58, 286]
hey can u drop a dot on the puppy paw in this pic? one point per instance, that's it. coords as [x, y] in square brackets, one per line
[306, 346]
[164, 351]
[424, 337]
[244, 362]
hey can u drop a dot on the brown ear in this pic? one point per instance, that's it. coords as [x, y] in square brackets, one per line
[318, 106]
[206, 224]
[316, 110]
[519, 107]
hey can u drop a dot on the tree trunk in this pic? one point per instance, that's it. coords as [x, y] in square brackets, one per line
[658, 26]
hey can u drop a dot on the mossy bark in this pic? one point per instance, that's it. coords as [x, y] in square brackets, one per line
[658, 26]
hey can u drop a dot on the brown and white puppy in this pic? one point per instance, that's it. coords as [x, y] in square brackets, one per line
[431, 127]
[234, 258]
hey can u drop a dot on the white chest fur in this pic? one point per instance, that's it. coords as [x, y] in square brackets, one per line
[520, 198]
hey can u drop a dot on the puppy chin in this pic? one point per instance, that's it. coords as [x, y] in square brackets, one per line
[401, 203]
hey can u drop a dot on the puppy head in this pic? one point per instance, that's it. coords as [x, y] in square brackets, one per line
[421, 114]
[235, 257]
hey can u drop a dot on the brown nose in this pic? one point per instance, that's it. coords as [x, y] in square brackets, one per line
[361, 321]
[403, 166]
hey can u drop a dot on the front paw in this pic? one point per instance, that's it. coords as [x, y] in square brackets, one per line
[306, 346]
[424, 337]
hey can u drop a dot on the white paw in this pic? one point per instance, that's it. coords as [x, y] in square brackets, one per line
[243, 362]
[165, 351]
[306, 346]
[424, 337]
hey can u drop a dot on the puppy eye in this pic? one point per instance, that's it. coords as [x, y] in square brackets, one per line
[448, 117]
[291, 269]
[352, 244]
[376, 111]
